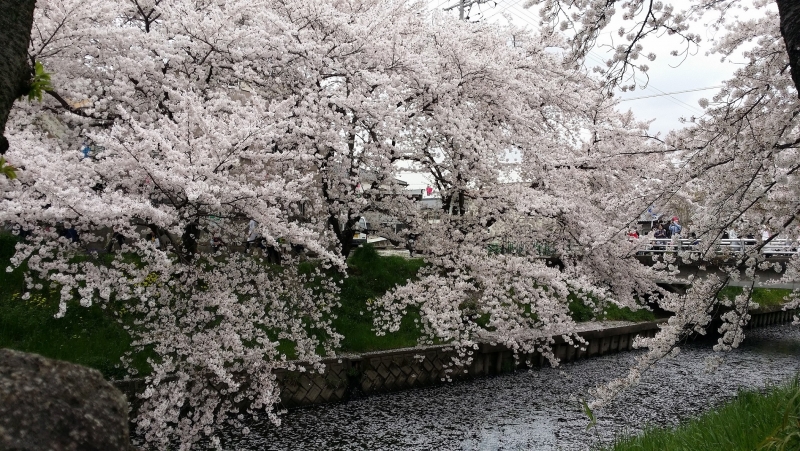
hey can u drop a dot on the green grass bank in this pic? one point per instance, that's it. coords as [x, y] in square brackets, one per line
[89, 336]
[94, 337]
[752, 421]
[764, 297]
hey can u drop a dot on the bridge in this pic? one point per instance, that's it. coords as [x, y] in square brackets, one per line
[776, 251]
[648, 246]
[726, 247]
[724, 252]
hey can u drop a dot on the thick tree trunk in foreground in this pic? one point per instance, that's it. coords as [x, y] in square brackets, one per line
[16, 20]
[789, 11]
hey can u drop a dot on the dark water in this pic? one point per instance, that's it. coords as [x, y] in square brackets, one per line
[536, 410]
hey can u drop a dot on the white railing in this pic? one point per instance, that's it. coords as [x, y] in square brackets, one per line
[776, 247]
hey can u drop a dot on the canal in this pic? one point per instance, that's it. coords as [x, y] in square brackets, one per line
[534, 410]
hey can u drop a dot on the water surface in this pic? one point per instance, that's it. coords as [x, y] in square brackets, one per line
[534, 410]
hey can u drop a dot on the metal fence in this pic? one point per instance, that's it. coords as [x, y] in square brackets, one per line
[776, 247]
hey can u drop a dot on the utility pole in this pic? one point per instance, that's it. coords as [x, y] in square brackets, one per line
[464, 6]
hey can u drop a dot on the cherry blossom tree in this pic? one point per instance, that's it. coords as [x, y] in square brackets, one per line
[749, 130]
[196, 117]
[738, 162]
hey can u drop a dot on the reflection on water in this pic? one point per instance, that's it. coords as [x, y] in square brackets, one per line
[777, 345]
[536, 410]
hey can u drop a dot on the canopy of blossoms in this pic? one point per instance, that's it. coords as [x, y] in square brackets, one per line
[297, 117]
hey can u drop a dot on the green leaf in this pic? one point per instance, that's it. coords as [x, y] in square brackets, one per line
[588, 411]
[6, 169]
[40, 83]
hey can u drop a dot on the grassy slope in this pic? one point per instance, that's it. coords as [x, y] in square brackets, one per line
[741, 425]
[89, 336]
[764, 297]
[581, 312]
[370, 277]
[92, 336]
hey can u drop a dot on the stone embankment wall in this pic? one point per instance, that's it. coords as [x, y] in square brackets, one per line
[768, 316]
[359, 375]
[378, 372]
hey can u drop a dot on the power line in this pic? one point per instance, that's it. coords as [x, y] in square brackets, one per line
[441, 4]
[528, 16]
[670, 93]
[691, 108]
[502, 10]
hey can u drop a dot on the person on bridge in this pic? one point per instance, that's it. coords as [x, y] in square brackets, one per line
[734, 242]
[660, 236]
[675, 229]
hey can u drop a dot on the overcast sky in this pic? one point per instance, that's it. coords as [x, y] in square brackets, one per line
[668, 74]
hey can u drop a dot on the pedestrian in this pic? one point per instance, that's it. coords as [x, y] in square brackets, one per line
[215, 232]
[675, 230]
[216, 243]
[67, 232]
[115, 240]
[253, 236]
[660, 236]
[734, 242]
[410, 243]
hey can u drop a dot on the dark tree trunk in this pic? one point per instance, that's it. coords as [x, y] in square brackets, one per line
[347, 246]
[191, 233]
[789, 11]
[16, 20]
[346, 239]
[343, 234]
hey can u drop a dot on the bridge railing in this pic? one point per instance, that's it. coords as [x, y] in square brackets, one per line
[776, 247]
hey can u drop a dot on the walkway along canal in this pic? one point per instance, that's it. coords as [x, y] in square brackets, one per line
[537, 409]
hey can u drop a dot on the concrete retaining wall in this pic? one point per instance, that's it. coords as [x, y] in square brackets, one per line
[401, 369]
[767, 316]
[365, 374]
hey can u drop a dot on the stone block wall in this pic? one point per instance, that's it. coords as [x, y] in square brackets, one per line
[418, 367]
[768, 316]
[359, 375]
[306, 387]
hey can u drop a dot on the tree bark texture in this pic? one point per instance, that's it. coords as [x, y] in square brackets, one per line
[789, 11]
[16, 20]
